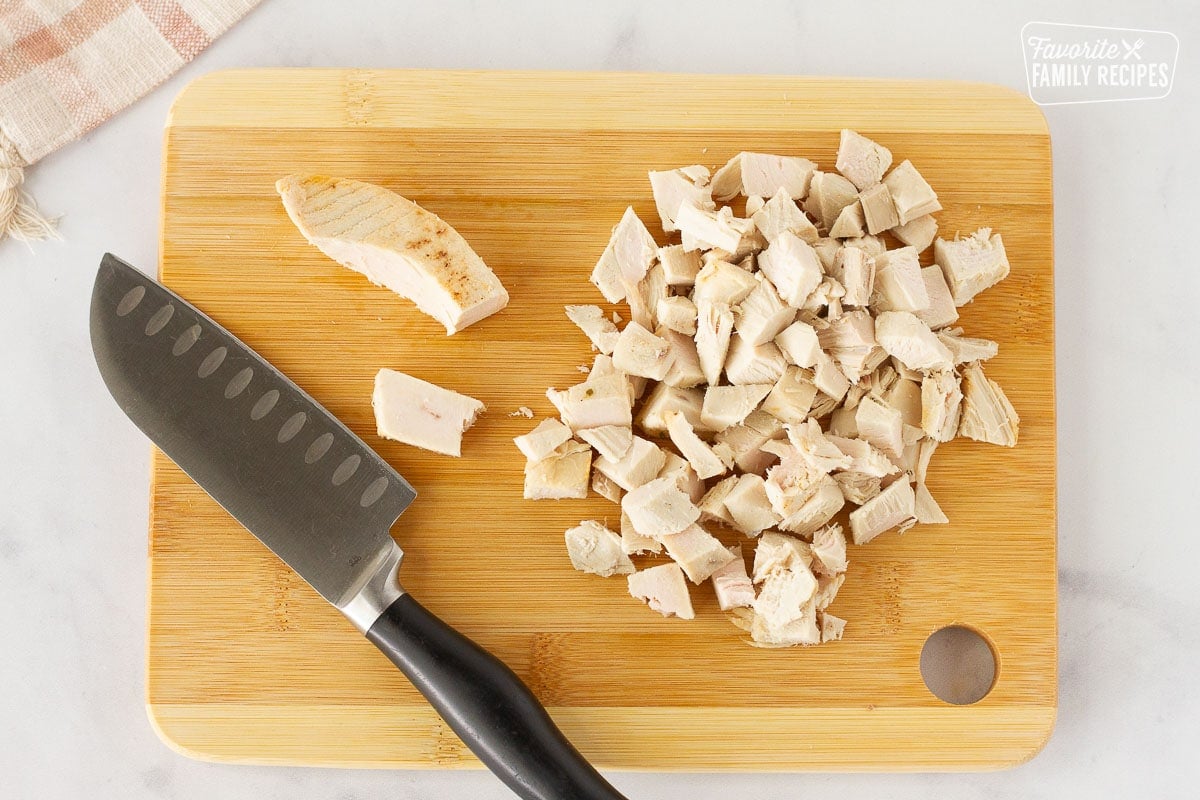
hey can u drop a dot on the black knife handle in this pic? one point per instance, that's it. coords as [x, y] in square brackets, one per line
[488, 706]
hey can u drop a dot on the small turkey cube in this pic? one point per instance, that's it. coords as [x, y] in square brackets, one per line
[851, 223]
[856, 271]
[898, 282]
[792, 396]
[679, 470]
[703, 229]
[712, 504]
[862, 161]
[664, 589]
[595, 402]
[543, 440]
[881, 425]
[891, 508]
[697, 552]
[926, 509]
[918, 233]
[680, 266]
[829, 379]
[832, 627]
[610, 441]
[879, 211]
[599, 329]
[663, 399]
[728, 405]
[971, 264]
[964, 349]
[732, 585]
[676, 187]
[793, 268]
[748, 363]
[911, 194]
[762, 315]
[941, 405]
[594, 548]
[420, 413]
[941, 311]
[722, 282]
[778, 552]
[828, 194]
[799, 344]
[904, 336]
[606, 487]
[640, 352]
[829, 550]
[685, 371]
[749, 506]
[678, 314]
[703, 460]
[987, 416]
[633, 543]
[714, 326]
[625, 260]
[561, 475]
[659, 507]
[763, 175]
[639, 466]
[780, 214]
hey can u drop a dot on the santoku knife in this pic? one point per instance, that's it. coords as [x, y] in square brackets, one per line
[324, 502]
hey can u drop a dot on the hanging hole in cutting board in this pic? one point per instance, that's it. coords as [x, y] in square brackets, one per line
[958, 665]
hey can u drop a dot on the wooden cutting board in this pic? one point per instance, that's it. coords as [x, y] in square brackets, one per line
[246, 663]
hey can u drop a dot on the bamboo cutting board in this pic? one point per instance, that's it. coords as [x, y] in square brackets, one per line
[246, 663]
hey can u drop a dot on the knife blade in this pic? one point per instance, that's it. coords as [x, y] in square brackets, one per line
[324, 502]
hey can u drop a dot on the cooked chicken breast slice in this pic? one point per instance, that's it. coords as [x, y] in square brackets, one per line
[664, 589]
[594, 548]
[420, 413]
[395, 243]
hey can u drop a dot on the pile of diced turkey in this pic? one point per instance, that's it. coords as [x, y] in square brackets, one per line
[777, 366]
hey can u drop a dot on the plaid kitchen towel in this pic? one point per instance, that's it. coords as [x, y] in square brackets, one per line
[68, 65]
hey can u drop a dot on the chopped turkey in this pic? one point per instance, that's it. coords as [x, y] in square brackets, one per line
[664, 399]
[879, 210]
[395, 243]
[714, 325]
[610, 441]
[911, 194]
[422, 414]
[971, 264]
[679, 314]
[674, 188]
[906, 337]
[762, 315]
[780, 214]
[561, 475]
[685, 371]
[597, 401]
[594, 548]
[697, 552]
[763, 175]
[659, 507]
[543, 440]
[729, 405]
[889, 509]
[941, 402]
[792, 266]
[828, 194]
[664, 589]
[749, 506]
[918, 233]
[630, 252]
[732, 585]
[747, 364]
[898, 282]
[637, 467]
[862, 161]
[599, 329]
[680, 266]
[987, 415]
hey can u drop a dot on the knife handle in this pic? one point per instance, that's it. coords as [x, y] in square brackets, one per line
[487, 705]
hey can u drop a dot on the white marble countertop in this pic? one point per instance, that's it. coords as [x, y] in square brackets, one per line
[74, 490]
